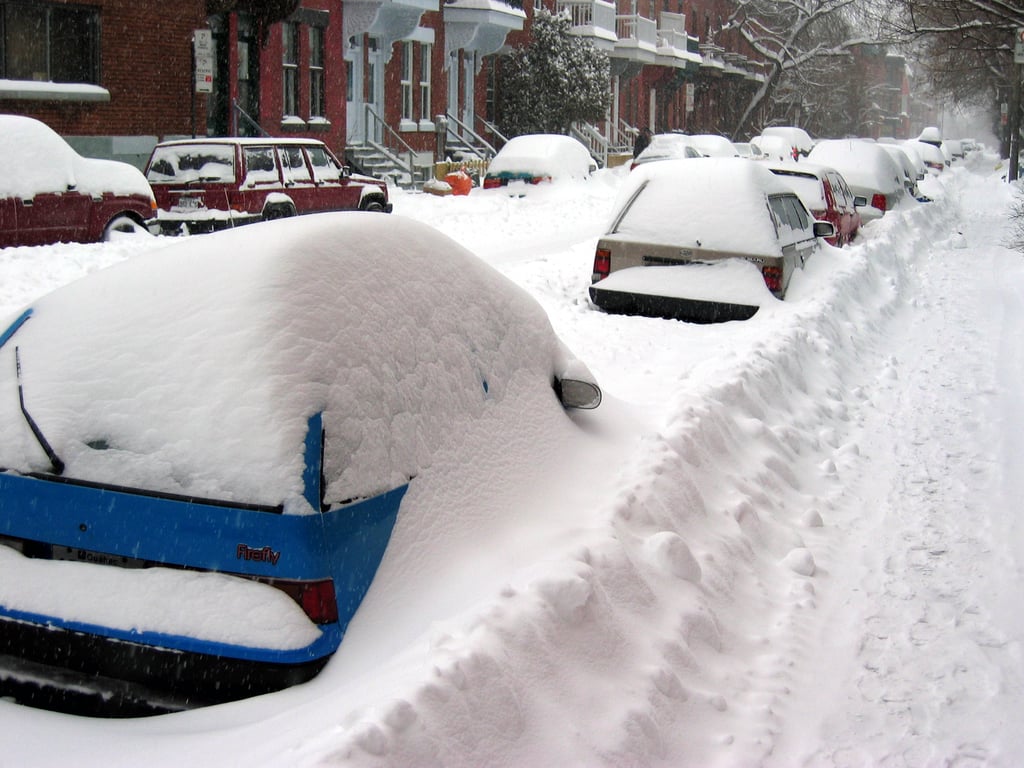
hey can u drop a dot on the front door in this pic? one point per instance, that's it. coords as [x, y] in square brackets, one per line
[365, 90]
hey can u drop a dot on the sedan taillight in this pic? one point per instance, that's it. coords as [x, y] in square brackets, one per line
[602, 264]
[772, 278]
[878, 201]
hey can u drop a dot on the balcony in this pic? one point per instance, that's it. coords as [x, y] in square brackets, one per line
[711, 59]
[674, 44]
[637, 39]
[592, 19]
[480, 26]
[387, 20]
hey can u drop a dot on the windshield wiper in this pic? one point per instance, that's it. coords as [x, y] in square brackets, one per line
[55, 461]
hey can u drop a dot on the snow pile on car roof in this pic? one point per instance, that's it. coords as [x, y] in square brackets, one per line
[194, 368]
[712, 203]
[36, 160]
[862, 163]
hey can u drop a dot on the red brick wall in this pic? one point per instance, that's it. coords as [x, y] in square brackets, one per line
[145, 64]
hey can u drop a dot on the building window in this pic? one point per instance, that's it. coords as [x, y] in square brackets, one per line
[49, 43]
[426, 60]
[317, 102]
[408, 60]
[290, 64]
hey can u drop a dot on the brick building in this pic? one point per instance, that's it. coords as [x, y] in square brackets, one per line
[406, 80]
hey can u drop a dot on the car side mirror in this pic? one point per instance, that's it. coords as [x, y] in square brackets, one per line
[824, 229]
[345, 172]
[575, 393]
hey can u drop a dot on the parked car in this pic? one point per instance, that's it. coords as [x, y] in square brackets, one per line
[205, 449]
[713, 145]
[869, 170]
[724, 236]
[202, 185]
[749, 150]
[51, 194]
[825, 193]
[667, 146]
[797, 139]
[931, 154]
[955, 148]
[774, 148]
[910, 169]
[533, 158]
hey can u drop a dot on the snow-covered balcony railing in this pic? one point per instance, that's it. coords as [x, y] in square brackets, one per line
[638, 38]
[735, 64]
[673, 43]
[592, 19]
[711, 58]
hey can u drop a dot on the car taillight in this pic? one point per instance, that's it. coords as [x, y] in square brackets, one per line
[539, 179]
[316, 598]
[602, 264]
[772, 278]
[490, 183]
[878, 201]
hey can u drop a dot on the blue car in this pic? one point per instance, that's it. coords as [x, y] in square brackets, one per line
[206, 449]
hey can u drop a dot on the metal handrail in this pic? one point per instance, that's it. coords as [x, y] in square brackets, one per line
[492, 128]
[482, 143]
[388, 148]
[236, 111]
[593, 140]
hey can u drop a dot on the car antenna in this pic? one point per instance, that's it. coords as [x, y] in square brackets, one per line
[55, 461]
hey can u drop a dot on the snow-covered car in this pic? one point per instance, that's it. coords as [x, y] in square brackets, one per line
[667, 146]
[955, 148]
[797, 139]
[537, 157]
[724, 236]
[774, 148]
[49, 193]
[206, 448]
[748, 150]
[869, 171]
[931, 154]
[824, 193]
[202, 185]
[713, 145]
[913, 170]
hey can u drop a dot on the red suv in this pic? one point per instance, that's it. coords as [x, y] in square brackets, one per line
[206, 184]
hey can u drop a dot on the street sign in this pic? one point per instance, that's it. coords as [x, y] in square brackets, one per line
[1018, 46]
[202, 49]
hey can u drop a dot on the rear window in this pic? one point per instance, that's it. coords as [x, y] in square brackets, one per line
[192, 162]
[807, 187]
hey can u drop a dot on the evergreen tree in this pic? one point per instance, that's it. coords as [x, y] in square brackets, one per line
[556, 80]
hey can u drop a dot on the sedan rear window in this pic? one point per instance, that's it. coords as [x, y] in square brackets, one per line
[203, 162]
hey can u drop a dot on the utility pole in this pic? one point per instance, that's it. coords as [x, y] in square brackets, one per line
[1014, 116]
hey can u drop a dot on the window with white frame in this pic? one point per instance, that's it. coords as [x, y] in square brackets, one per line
[426, 57]
[290, 65]
[408, 61]
[317, 96]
